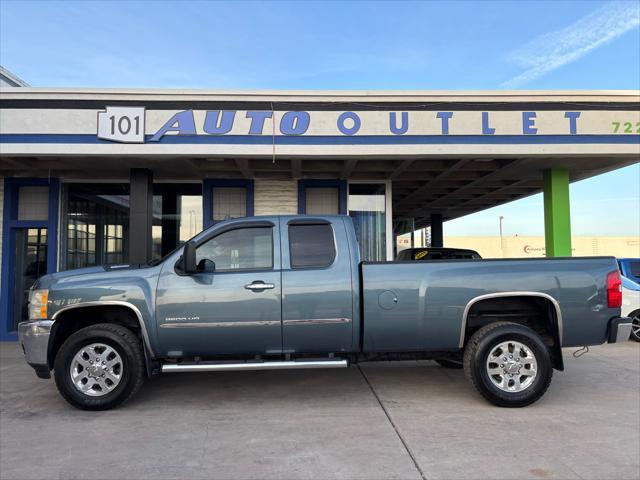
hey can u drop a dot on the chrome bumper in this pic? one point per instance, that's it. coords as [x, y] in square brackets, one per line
[34, 339]
[619, 329]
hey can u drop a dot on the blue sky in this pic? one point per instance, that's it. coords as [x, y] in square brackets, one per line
[348, 45]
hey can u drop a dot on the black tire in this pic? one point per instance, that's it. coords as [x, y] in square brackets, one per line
[127, 346]
[446, 363]
[635, 327]
[477, 352]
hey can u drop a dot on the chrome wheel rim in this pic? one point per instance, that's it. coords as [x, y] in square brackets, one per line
[635, 326]
[96, 369]
[512, 366]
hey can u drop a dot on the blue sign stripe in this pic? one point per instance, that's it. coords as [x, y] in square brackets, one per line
[339, 139]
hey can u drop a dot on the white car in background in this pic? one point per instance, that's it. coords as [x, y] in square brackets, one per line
[631, 305]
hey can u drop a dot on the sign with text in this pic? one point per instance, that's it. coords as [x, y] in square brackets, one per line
[127, 124]
[122, 124]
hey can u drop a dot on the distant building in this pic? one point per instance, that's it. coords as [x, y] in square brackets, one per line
[524, 247]
[8, 79]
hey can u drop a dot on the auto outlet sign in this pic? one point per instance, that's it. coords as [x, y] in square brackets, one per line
[137, 125]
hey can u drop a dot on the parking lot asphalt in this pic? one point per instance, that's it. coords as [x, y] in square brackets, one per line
[401, 420]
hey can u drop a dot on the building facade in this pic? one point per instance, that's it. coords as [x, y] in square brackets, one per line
[103, 177]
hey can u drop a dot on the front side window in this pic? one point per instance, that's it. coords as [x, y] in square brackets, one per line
[239, 249]
[311, 246]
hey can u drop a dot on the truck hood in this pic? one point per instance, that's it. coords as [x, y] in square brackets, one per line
[47, 281]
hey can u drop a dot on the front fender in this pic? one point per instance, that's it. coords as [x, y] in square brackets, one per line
[134, 289]
[103, 303]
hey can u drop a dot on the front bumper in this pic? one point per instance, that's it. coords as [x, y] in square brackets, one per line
[34, 340]
[619, 329]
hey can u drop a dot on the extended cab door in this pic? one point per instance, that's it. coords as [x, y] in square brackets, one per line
[317, 302]
[232, 305]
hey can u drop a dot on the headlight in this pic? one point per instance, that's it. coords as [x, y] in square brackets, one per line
[38, 304]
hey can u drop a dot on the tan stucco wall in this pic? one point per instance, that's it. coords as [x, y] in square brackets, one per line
[526, 247]
[275, 197]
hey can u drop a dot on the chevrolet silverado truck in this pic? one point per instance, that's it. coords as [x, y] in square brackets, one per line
[290, 292]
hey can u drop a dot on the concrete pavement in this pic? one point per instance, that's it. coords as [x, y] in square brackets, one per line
[410, 420]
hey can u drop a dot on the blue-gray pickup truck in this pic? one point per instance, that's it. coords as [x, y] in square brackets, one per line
[290, 292]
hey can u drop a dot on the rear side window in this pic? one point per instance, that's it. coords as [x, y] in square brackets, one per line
[311, 245]
[634, 268]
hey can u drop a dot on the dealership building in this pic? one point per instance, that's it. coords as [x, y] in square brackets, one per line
[98, 176]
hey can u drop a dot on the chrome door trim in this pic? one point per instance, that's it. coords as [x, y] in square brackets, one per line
[259, 323]
[316, 321]
[231, 367]
[553, 301]
[101, 303]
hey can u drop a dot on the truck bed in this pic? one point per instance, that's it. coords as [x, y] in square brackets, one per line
[422, 305]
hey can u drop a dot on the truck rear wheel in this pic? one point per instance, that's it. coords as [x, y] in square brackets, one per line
[99, 367]
[508, 364]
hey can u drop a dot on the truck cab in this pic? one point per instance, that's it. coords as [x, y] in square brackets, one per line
[244, 294]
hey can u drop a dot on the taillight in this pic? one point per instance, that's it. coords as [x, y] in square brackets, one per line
[614, 290]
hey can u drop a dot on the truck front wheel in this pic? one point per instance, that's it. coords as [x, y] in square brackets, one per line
[99, 367]
[508, 364]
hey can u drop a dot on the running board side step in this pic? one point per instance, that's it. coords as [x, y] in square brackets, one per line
[231, 367]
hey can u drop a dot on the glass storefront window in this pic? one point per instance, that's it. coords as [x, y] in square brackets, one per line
[367, 207]
[177, 216]
[96, 225]
[30, 257]
[190, 216]
[96, 222]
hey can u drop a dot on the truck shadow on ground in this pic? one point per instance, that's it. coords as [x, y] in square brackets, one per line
[393, 382]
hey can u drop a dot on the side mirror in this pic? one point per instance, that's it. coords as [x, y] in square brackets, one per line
[206, 266]
[189, 258]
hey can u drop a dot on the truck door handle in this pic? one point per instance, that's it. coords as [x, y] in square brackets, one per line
[255, 286]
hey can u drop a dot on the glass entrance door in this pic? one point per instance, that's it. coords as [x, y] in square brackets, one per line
[30, 264]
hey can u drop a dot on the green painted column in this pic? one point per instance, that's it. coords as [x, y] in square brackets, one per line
[557, 221]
